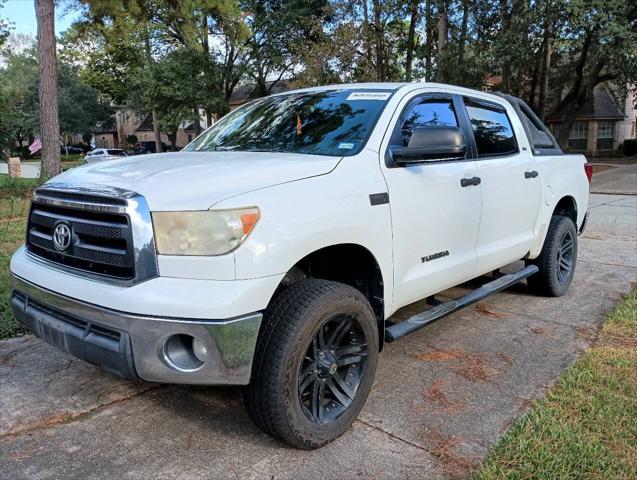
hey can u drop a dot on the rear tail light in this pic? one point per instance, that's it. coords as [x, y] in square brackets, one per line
[588, 168]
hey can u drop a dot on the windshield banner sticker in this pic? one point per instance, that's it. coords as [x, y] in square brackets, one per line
[369, 96]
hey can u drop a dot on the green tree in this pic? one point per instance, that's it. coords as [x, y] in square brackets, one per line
[156, 29]
[176, 86]
[19, 85]
[599, 44]
[277, 27]
[5, 26]
[108, 55]
[81, 108]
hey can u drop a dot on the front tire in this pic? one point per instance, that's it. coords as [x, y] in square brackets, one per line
[557, 260]
[314, 364]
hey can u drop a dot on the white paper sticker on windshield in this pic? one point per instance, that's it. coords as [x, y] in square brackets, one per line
[345, 146]
[368, 96]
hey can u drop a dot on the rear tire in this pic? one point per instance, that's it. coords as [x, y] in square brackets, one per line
[557, 260]
[314, 364]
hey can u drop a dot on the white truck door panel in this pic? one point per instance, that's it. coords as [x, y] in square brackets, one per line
[435, 223]
[510, 185]
[435, 220]
[510, 205]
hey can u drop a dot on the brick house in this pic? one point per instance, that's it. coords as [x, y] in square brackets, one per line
[125, 122]
[245, 93]
[601, 124]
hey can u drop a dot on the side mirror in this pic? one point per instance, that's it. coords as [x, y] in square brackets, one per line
[430, 144]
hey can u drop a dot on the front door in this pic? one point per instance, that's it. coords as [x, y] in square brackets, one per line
[435, 218]
[510, 184]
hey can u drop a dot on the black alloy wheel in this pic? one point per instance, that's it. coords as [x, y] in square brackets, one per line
[332, 369]
[565, 257]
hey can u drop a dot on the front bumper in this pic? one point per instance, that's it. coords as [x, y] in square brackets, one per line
[152, 348]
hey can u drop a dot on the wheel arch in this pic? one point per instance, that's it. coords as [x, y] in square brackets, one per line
[567, 206]
[349, 263]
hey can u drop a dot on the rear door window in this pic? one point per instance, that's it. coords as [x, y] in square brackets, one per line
[491, 129]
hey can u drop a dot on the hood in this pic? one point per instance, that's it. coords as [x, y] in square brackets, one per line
[197, 180]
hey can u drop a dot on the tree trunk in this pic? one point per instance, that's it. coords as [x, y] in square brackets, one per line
[380, 54]
[158, 146]
[580, 91]
[505, 16]
[463, 31]
[149, 59]
[366, 33]
[441, 74]
[411, 35]
[429, 35]
[195, 110]
[533, 87]
[546, 67]
[49, 122]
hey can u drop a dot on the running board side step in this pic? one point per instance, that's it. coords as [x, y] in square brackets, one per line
[416, 322]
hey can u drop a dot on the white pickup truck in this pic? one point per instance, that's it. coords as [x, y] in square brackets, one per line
[273, 250]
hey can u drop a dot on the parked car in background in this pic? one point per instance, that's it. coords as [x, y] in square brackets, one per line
[70, 149]
[142, 148]
[101, 154]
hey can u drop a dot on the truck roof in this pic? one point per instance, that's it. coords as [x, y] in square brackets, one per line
[395, 86]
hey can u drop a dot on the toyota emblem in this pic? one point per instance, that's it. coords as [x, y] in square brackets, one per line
[61, 236]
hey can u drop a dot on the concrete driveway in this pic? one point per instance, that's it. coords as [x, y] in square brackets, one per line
[442, 396]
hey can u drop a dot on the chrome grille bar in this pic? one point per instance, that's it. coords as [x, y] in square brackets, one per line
[111, 235]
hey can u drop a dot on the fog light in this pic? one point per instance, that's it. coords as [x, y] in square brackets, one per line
[179, 352]
[199, 349]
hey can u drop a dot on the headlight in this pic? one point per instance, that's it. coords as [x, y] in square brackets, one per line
[210, 232]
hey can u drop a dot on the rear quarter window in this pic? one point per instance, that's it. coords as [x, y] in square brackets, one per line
[491, 129]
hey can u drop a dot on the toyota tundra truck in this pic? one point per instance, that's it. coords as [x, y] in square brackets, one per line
[273, 250]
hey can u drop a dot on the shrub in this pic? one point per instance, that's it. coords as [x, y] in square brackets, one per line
[22, 152]
[630, 147]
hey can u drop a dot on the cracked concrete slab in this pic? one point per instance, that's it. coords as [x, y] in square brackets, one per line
[442, 396]
[41, 385]
[195, 432]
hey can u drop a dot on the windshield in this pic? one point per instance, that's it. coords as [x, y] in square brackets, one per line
[117, 153]
[334, 122]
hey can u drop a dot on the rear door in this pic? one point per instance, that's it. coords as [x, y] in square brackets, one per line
[435, 215]
[510, 183]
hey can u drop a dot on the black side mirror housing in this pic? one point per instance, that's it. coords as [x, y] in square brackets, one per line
[428, 144]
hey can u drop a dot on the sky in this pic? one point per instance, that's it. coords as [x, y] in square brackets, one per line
[22, 14]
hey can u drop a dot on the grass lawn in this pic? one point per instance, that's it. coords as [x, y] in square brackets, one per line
[14, 207]
[586, 427]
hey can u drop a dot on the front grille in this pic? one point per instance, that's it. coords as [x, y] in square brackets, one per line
[101, 234]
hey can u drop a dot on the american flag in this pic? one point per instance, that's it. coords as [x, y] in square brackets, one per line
[35, 146]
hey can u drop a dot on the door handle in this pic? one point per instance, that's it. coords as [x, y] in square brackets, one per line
[468, 182]
[531, 174]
